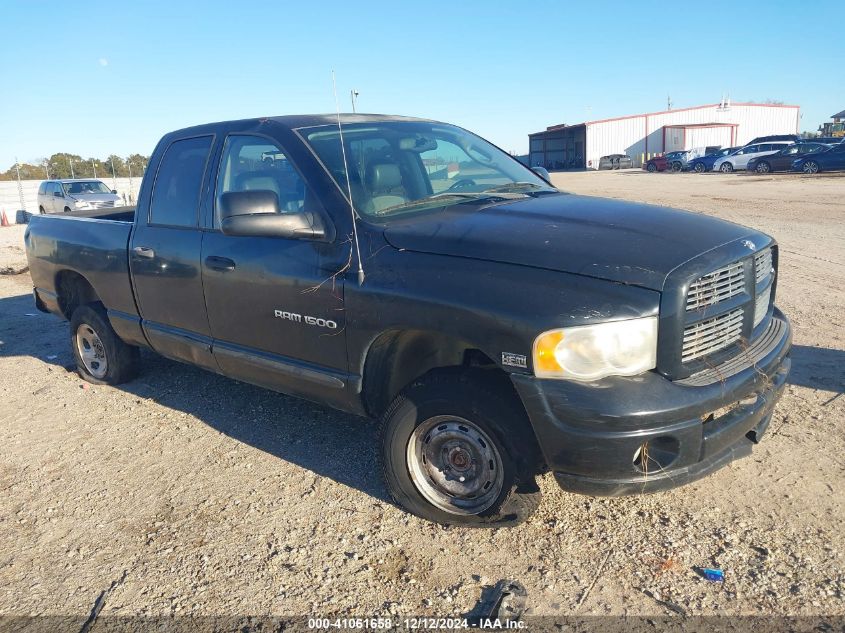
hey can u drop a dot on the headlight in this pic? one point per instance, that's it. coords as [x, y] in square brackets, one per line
[80, 203]
[590, 352]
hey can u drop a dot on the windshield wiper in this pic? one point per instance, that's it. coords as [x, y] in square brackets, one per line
[439, 197]
[521, 186]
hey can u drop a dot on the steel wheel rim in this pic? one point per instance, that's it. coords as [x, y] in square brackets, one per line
[811, 167]
[455, 465]
[763, 168]
[91, 351]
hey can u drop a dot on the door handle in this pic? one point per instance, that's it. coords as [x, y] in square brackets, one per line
[144, 251]
[219, 263]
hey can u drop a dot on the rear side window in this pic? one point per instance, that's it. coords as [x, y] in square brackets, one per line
[176, 194]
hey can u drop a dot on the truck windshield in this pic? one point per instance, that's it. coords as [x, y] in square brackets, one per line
[397, 167]
[84, 186]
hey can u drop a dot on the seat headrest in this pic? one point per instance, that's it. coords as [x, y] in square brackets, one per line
[383, 177]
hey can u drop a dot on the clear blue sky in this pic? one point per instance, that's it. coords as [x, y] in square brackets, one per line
[95, 78]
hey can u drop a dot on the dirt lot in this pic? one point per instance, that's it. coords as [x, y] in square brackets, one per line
[216, 497]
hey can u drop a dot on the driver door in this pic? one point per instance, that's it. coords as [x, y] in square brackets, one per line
[275, 305]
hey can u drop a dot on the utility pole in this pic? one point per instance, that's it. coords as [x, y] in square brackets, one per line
[20, 187]
[113, 176]
[353, 95]
[129, 164]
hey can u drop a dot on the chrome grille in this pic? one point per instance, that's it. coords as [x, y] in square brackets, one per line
[717, 286]
[101, 204]
[711, 335]
[762, 264]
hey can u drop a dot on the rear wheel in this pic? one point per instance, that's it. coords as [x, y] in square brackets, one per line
[101, 356]
[456, 450]
[699, 168]
[651, 167]
[726, 168]
[763, 167]
[811, 167]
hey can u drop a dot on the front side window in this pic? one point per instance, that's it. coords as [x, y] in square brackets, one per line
[254, 163]
[398, 167]
[176, 194]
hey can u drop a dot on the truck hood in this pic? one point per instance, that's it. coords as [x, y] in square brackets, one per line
[625, 242]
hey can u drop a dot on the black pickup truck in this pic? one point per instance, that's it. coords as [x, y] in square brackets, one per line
[408, 270]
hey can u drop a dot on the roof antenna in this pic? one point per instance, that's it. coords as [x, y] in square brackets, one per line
[348, 186]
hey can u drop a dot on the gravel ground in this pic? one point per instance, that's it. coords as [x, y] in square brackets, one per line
[12, 256]
[216, 497]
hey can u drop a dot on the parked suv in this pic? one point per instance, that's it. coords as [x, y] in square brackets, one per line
[739, 159]
[64, 196]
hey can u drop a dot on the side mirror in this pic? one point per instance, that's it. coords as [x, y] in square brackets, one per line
[58, 194]
[256, 214]
[114, 191]
[543, 173]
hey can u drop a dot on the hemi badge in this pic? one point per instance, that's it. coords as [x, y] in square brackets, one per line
[514, 360]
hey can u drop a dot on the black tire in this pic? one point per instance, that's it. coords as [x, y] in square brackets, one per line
[120, 359]
[676, 166]
[811, 167]
[763, 167]
[700, 168]
[651, 168]
[726, 167]
[500, 417]
[67, 209]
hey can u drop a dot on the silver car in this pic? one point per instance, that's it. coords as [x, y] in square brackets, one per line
[80, 194]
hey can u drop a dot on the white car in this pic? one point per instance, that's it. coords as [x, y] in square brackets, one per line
[739, 159]
[82, 194]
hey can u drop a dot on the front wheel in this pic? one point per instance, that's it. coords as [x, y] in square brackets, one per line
[456, 451]
[101, 356]
[726, 168]
[676, 167]
[811, 167]
[763, 168]
[651, 168]
[699, 168]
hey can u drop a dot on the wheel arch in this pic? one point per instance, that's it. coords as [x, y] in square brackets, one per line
[73, 290]
[397, 357]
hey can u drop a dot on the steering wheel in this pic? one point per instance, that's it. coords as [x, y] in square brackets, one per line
[463, 183]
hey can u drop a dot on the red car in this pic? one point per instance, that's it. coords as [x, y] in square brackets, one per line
[658, 163]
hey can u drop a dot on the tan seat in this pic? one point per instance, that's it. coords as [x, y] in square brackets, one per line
[384, 180]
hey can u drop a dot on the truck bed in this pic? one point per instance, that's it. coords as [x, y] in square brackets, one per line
[93, 245]
[117, 214]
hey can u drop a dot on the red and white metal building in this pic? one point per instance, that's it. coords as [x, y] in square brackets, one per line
[641, 136]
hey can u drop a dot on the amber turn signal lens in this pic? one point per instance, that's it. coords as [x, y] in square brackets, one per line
[544, 355]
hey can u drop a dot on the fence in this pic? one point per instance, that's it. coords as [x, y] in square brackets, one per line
[23, 196]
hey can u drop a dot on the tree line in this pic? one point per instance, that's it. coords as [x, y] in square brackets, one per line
[64, 165]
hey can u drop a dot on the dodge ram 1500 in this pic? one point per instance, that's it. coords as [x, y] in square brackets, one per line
[409, 270]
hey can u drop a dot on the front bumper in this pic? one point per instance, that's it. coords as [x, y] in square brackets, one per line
[636, 435]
